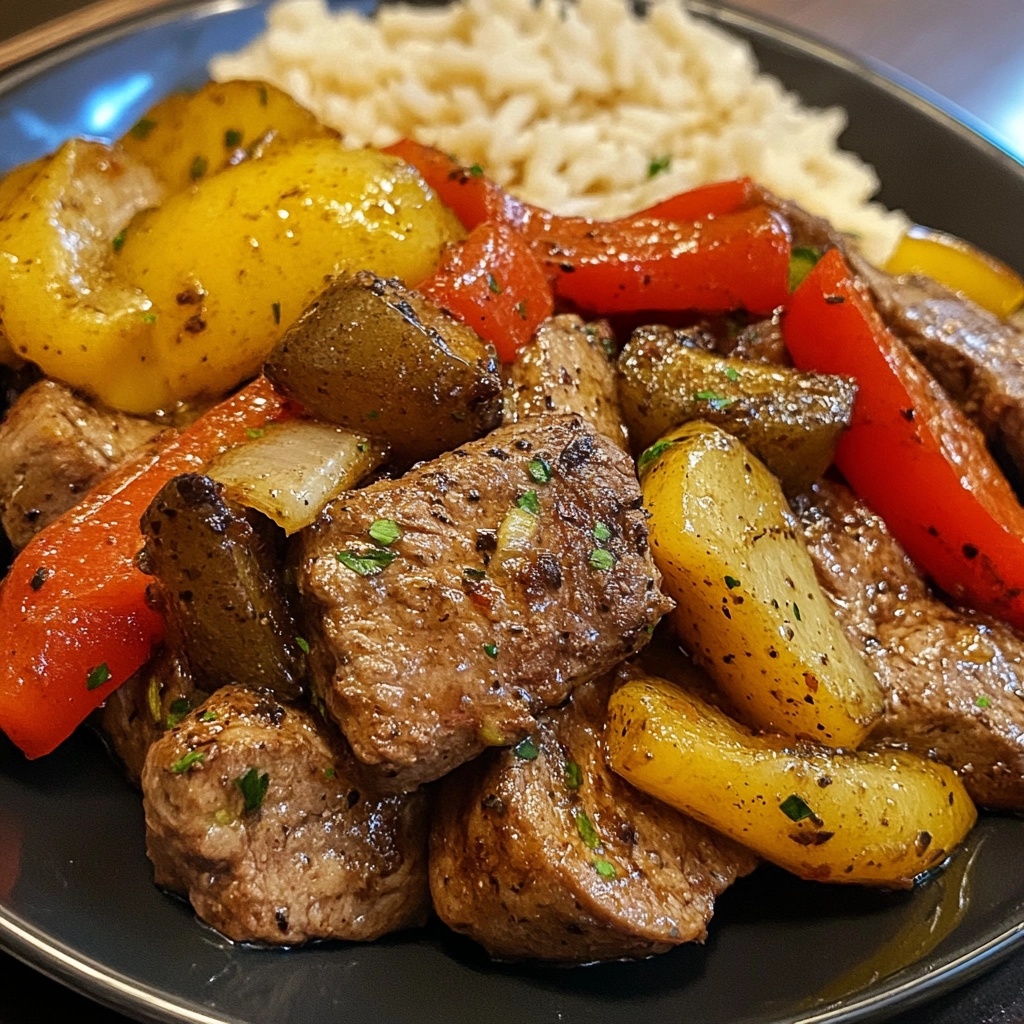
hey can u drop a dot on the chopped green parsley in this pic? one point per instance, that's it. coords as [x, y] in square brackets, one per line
[587, 832]
[303, 644]
[601, 532]
[232, 138]
[526, 749]
[254, 788]
[491, 650]
[198, 167]
[193, 757]
[658, 165]
[794, 808]
[177, 711]
[714, 398]
[601, 560]
[573, 775]
[385, 532]
[97, 676]
[529, 503]
[366, 563]
[605, 868]
[539, 470]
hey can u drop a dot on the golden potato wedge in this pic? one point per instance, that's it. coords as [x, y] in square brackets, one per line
[62, 308]
[748, 604]
[189, 136]
[877, 818]
[11, 186]
[790, 420]
[231, 262]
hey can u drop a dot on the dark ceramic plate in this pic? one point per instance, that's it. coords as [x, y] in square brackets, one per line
[76, 898]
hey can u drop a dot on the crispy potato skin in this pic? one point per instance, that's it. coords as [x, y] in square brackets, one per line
[373, 356]
[748, 603]
[875, 818]
[790, 420]
[188, 136]
[219, 585]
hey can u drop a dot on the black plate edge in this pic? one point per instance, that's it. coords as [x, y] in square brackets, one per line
[113, 990]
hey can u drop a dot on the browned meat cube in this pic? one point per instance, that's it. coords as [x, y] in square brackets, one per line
[567, 368]
[954, 680]
[542, 851]
[54, 446]
[151, 701]
[519, 567]
[258, 812]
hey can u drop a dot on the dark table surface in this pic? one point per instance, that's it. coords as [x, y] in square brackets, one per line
[970, 52]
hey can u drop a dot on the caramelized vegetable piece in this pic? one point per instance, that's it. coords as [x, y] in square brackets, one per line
[748, 604]
[74, 620]
[61, 306]
[876, 818]
[960, 266]
[789, 420]
[189, 136]
[229, 264]
[290, 471]
[910, 452]
[374, 357]
[220, 589]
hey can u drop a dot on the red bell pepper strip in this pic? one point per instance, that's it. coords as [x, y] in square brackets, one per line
[909, 452]
[733, 261]
[74, 622]
[475, 198]
[466, 191]
[493, 283]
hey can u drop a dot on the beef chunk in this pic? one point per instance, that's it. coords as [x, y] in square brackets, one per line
[54, 446]
[258, 812]
[542, 851]
[496, 600]
[567, 369]
[954, 680]
[138, 713]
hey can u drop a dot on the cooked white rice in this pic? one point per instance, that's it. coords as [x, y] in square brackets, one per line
[571, 105]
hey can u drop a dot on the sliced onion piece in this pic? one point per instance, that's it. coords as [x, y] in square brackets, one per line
[292, 470]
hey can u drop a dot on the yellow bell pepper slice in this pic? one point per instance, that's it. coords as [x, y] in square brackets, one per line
[959, 266]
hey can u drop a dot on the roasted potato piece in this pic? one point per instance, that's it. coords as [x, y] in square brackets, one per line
[878, 818]
[790, 420]
[230, 263]
[375, 357]
[219, 589]
[61, 306]
[748, 604]
[191, 135]
[11, 186]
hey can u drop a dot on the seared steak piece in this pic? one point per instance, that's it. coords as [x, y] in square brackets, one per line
[519, 568]
[568, 368]
[954, 680]
[136, 714]
[542, 851]
[976, 357]
[259, 814]
[54, 446]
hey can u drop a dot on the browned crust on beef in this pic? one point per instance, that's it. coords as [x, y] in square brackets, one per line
[449, 650]
[321, 857]
[567, 368]
[954, 679]
[54, 446]
[510, 867]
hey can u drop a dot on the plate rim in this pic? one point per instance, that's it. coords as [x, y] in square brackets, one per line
[71, 968]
